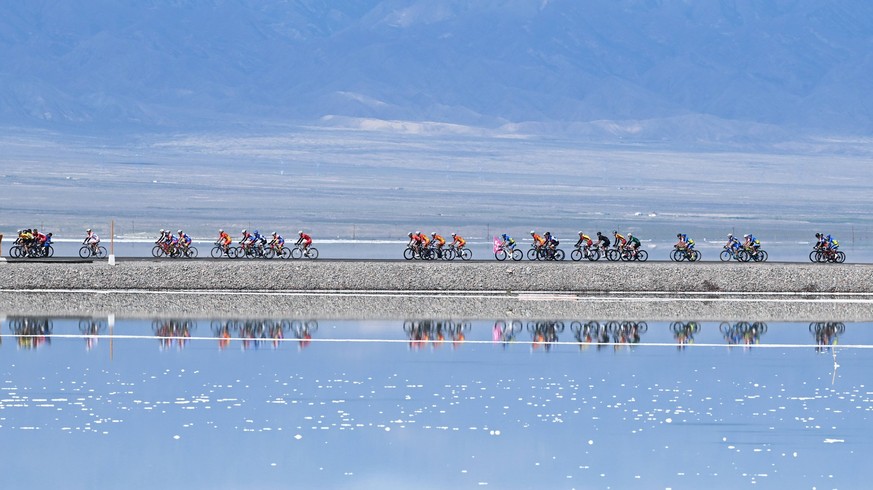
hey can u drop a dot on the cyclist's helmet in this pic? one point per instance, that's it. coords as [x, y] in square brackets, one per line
[180, 232]
[299, 232]
[256, 232]
[274, 233]
[221, 231]
[678, 235]
[630, 235]
[581, 233]
[505, 236]
[454, 235]
[599, 234]
[409, 235]
[532, 232]
[818, 235]
[615, 232]
[746, 235]
[433, 234]
[86, 231]
[244, 232]
[163, 231]
[730, 235]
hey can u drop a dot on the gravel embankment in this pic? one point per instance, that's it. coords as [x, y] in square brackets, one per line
[439, 276]
[260, 288]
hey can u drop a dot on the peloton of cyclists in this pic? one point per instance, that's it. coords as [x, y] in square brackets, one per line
[827, 242]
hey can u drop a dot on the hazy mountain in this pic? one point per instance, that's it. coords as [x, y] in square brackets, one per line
[660, 69]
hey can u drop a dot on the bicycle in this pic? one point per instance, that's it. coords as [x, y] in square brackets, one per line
[298, 252]
[220, 250]
[88, 251]
[585, 252]
[831, 255]
[275, 250]
[747, 254]
[680, 254]
[505, 251]
[629, 255]
[730, 253]
[455, 251]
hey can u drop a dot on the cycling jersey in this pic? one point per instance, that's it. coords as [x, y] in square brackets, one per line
[603, 241]
[305, 238]
[634, 242]
[620, 240]
[279, 240]
[538, 240]
[459, 241]
[439, 240]
[224, 238]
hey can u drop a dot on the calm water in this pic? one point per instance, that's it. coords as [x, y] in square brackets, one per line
[193, 403]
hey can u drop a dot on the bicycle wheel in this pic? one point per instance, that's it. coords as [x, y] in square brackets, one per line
[85, 251]
[101, 252]
[764, 255]
[15, 252]
[532, 254]
[576, 255]
[466, 254]
[500, 255]
[812, 256]
[624, 255]
[696, 256]
[408, 254]
[725, 255]
[216, 252]
[270, 253]
[593, 255]
[613, 255]
[559, 254]
[191, 253]
[517, 255]
[286, 253]
[449, 254]
[642, 255]
[840, 257]
[312, 253]
[743, 256]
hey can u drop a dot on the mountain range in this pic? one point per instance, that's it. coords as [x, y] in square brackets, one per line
[649, 69]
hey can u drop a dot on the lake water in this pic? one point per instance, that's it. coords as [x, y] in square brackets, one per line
[198, 403]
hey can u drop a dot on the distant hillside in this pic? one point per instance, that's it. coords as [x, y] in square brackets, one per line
[618, 68]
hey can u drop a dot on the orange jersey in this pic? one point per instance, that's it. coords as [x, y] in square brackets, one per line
[458, 240]
[538, 239]
[439, 240]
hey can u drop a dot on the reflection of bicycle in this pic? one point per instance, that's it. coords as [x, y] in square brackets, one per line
[684, 332]
[506, 332]
[742, 332]
[826, 333]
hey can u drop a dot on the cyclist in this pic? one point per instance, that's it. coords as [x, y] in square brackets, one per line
[438, 242]
[583, 239]
[539, 241]
[831, 243]
[414, 243]
[751, 243]
[684, 242]
[423, 239]
[602, 241]
[184, 240]
[38, 239]
[277, 242]
[633, 244]
[305, 239]
[92, 240]
[732, 243]
[223, 240]
[620, 241]
[46, 242]
[25, 237]
[457, 241]
[508, 242]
